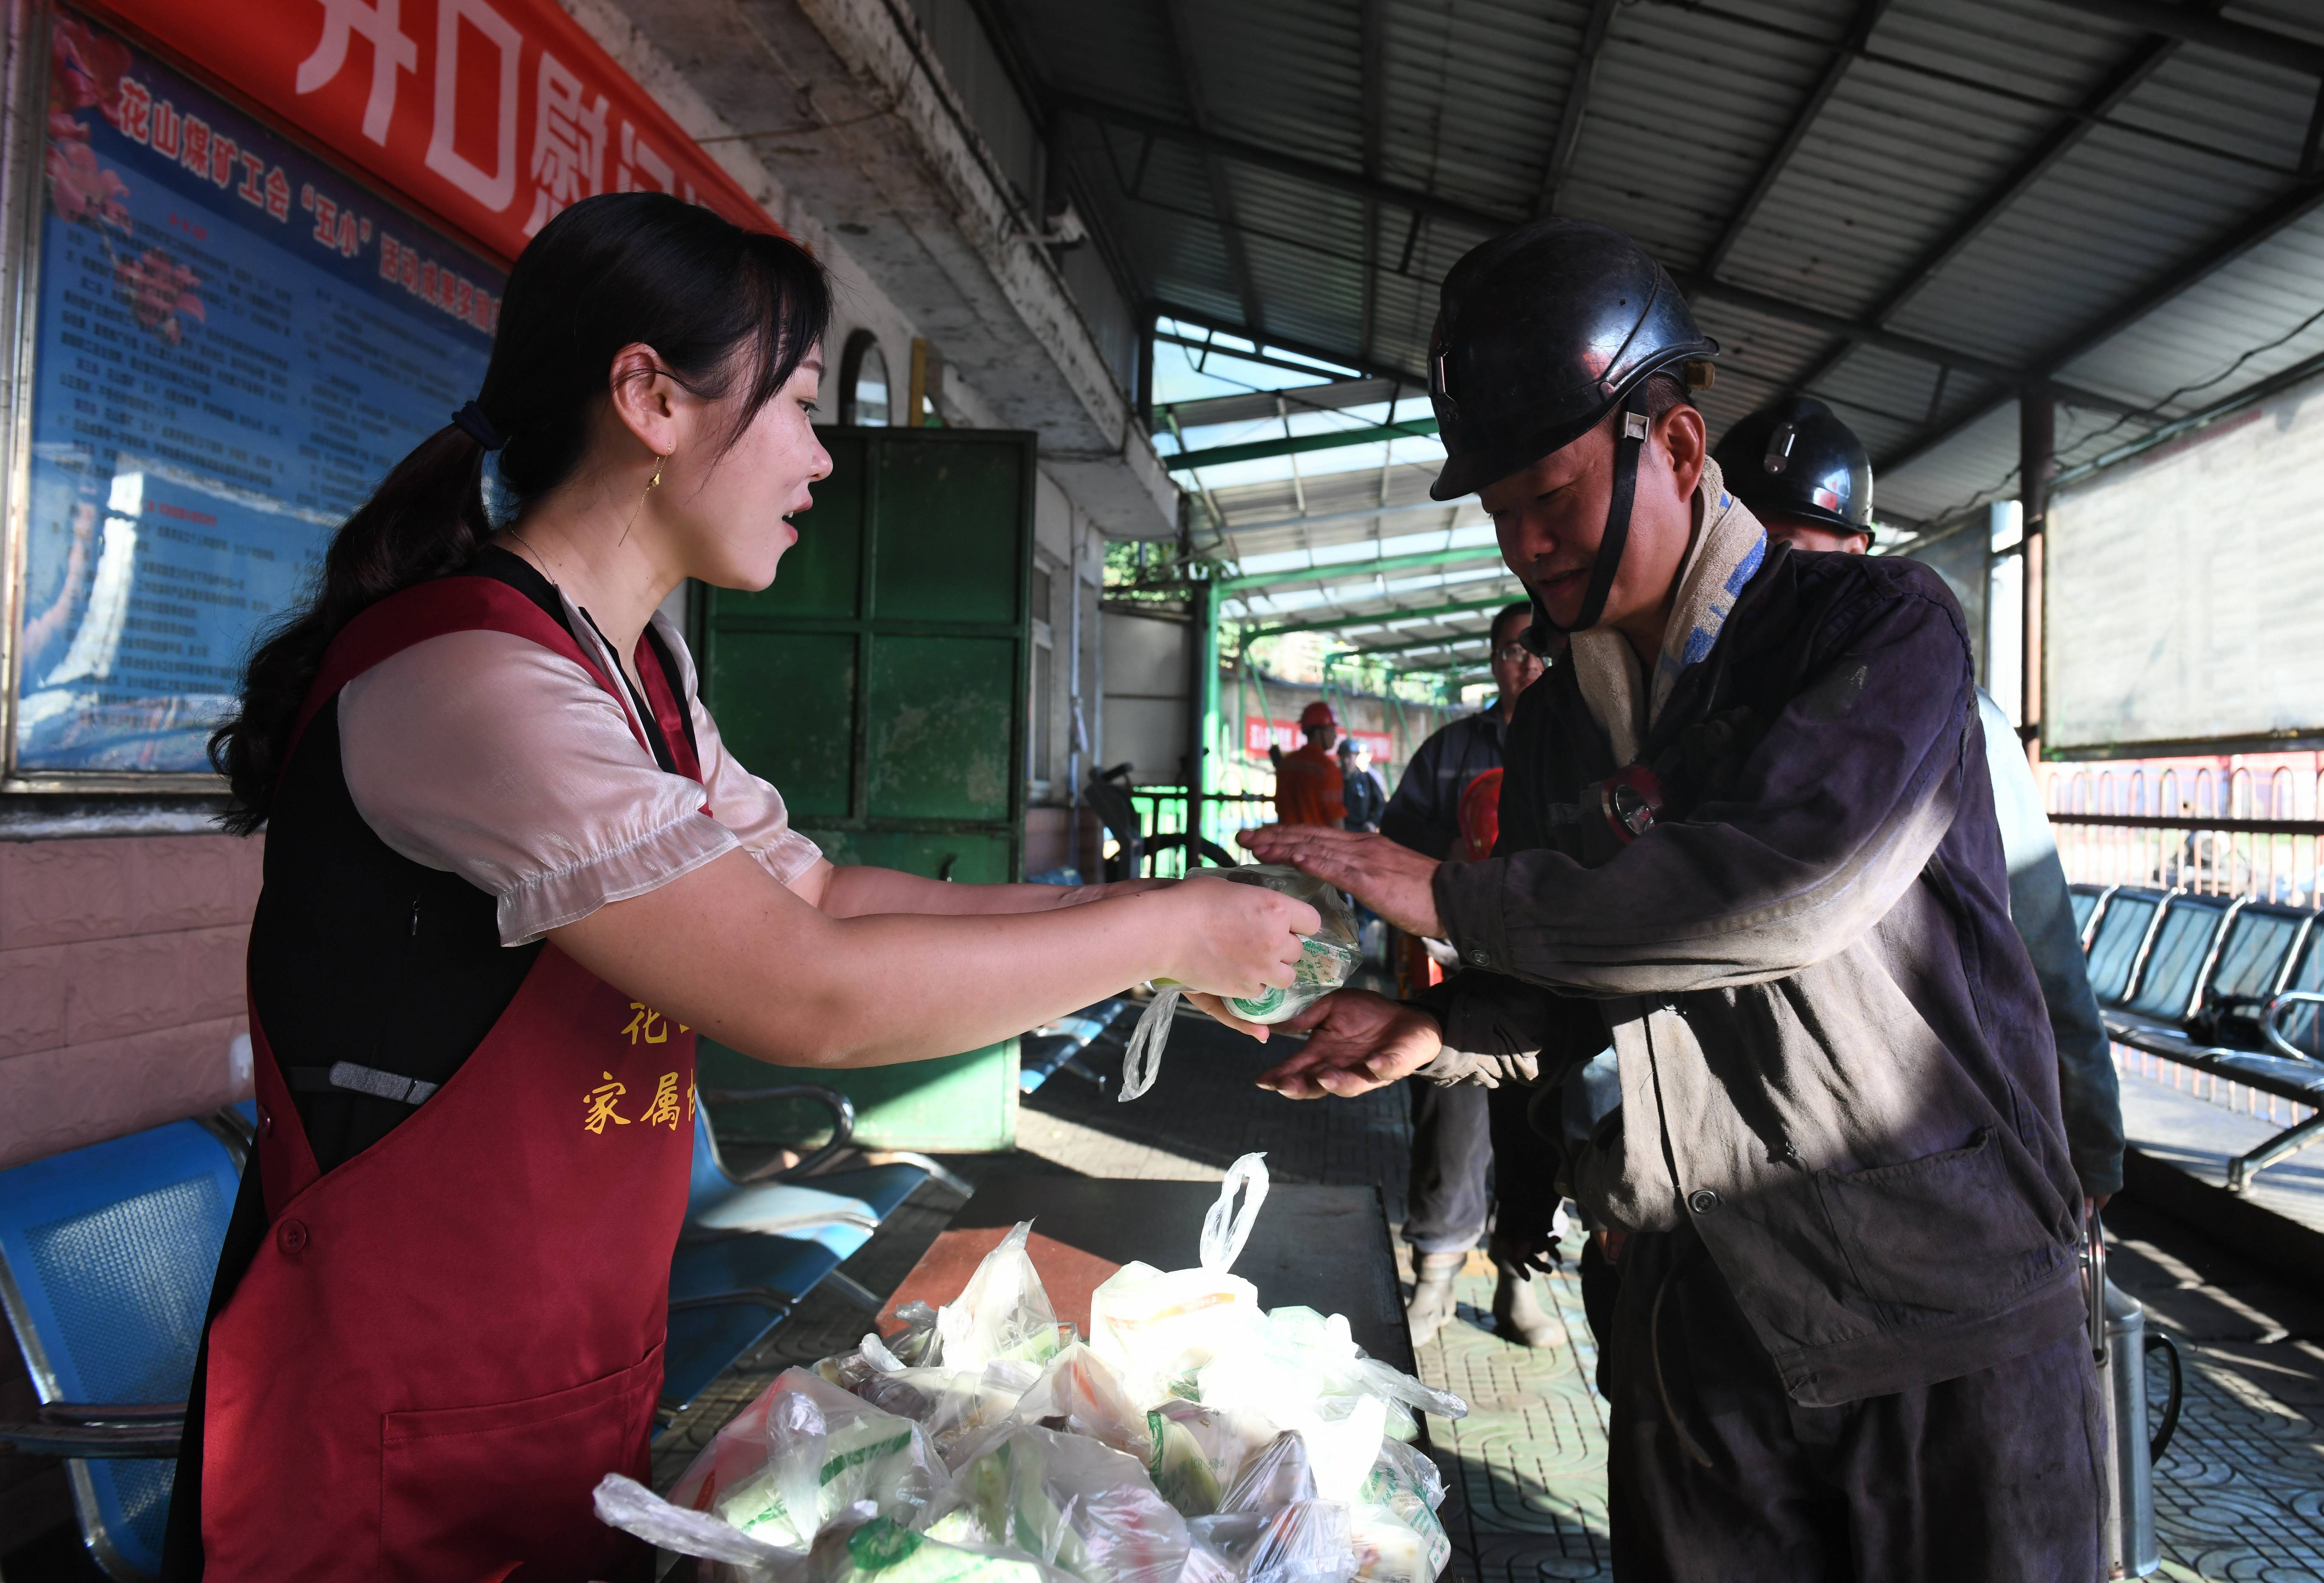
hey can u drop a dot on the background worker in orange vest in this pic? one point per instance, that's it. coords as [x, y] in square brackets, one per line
[1307, 780]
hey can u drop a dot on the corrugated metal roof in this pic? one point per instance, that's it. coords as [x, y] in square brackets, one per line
[2169, 239]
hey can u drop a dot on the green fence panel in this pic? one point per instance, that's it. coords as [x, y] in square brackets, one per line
[880, 684]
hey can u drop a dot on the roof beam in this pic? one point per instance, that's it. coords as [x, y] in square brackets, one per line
[1219, 456]
[1269, 159]
[1870, 334]
[1368, 513]
[1477, 220]
[1250, 406]
[2102, 100]
[1180, 32]
[2211, 30]
[1844, 53]
[1372, 46]
[1381, 618]
[1595, 28]
[1370, 366]
[2288, 210]
[1349, 570]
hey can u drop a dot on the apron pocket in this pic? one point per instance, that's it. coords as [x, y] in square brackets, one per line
[1945, 1233]
[505, 1489]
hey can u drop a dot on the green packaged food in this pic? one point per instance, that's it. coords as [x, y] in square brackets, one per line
[1328, 958]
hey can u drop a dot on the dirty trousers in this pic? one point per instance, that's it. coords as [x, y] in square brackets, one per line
[1995, 1477]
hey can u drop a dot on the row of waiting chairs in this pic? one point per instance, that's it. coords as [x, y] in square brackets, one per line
[107, 1252]
[2223, 985]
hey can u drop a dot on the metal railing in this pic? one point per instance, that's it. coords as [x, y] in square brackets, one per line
[2263, 859]
[1163, 811]
[2256, 859]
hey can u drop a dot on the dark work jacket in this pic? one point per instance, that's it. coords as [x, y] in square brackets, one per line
[1425, 814]
[1834, 1056]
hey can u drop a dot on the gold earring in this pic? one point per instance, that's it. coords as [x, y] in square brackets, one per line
[654, 483]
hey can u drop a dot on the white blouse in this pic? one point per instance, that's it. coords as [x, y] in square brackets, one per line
[486, 755]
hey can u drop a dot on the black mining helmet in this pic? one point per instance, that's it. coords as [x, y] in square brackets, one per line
[1541, 333]
[1792, 458]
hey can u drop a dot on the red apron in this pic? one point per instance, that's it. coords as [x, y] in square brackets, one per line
[445, 1342]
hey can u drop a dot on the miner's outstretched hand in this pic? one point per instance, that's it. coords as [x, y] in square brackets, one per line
[1393, 881]
[1357, 1041]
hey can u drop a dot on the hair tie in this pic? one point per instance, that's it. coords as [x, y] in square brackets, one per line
[472, 422]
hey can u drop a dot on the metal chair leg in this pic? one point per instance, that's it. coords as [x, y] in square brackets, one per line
[2290, 1141]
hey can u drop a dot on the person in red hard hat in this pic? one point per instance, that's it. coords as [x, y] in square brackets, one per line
[1308, 782]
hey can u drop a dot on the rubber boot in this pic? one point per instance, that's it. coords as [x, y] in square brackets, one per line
[1518, 1313]
[1432, 1303]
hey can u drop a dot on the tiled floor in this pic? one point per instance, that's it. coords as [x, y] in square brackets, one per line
[2239, 1496]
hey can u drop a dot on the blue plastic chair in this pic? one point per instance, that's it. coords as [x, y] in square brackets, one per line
[2118, 942]
[2177, 959]
[107, 1258]
[751, 1250]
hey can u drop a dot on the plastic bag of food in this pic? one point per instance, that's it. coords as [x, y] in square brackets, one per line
[1307, 1542]
[803, 1453]
[1328, 958]
[1078, 1394]
[882, 1552]
[1194, 1452]
[1302, 1359]
[951, 1404]
[630, 1506]
[1003, 1312]
[1078, 1506]
[1156, 1328]
[1393, 1523]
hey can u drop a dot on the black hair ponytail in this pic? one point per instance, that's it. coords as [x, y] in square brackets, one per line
[717, 304]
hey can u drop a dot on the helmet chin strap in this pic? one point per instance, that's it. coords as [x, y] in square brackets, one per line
[1630, 429]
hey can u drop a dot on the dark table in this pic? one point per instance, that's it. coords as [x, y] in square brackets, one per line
[1324, 1247]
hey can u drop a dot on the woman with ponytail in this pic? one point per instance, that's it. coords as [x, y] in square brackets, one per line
[512, 871]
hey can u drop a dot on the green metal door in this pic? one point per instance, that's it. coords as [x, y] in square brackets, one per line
[880, 684]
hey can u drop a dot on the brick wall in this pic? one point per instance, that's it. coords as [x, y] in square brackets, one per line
[121, 984]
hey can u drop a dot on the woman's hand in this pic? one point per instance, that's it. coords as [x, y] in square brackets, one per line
[1234, 939]
[1216, 1010]
[1393, 881]
[1357, 1041]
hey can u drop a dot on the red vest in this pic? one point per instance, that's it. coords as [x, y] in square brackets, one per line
[445, 1342]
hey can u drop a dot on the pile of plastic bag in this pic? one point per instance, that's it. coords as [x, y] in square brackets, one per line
[1193, 1437]
[1328, 958]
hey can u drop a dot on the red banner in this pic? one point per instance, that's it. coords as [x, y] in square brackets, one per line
[489, 115]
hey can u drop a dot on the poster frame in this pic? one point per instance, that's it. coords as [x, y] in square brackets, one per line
[22, 191]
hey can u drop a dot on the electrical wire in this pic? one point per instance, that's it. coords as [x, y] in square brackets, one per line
[2154, 410]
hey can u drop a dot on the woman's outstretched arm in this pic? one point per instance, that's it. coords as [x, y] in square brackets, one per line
[732, 952]
[854, 891]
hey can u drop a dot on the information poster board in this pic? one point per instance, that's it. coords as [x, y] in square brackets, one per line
[2180, 607]
[233, 343]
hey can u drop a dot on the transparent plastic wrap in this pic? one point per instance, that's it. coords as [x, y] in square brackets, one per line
[1307, 1542]
[950, 1405]
[1078, 1394]
[1078, 1506]
[1393, 1523]
[1328, 958]
[1002, 1313]
[1193, 1451]
[1156, 1329]
[882, 1552]
[736, 1556]
[802, 1454]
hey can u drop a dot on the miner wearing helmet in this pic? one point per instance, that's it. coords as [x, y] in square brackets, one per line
[1308, 777]
[1803, 474]
[1747, 837]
